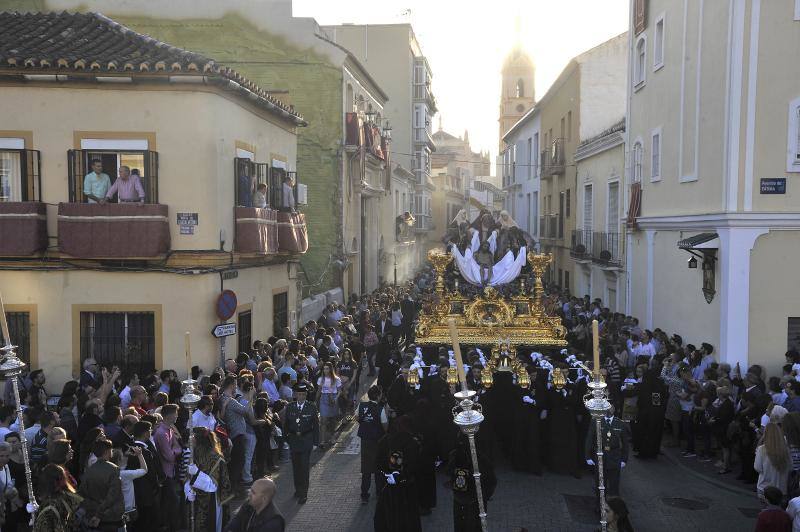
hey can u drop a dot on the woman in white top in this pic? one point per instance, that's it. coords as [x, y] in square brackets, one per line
[773, 461]
[203, 417]
[129, 475]
[329, 386]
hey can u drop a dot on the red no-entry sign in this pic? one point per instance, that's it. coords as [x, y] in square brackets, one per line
[226, 304]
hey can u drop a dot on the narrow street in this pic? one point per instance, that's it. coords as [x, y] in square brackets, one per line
[664, 494]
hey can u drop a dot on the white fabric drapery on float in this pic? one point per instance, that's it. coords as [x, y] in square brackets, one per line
[503, 271]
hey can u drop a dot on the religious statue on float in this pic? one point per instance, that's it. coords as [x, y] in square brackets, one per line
[491, 250]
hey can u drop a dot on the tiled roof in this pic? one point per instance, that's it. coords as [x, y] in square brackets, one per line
[91, 43]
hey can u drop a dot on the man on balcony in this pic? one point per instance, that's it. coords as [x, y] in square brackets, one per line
[127, 187]
[287, 203]
[96, 183]
[260, 196]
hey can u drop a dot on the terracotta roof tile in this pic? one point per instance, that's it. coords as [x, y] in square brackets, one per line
[93, 43]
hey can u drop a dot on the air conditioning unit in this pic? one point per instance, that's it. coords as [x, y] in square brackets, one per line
[302, 194]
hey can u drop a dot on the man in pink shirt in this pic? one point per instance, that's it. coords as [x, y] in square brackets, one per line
[168, 444]
[127, 187]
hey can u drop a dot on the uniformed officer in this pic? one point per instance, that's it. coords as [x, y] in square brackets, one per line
[302, 433]
[614, 437]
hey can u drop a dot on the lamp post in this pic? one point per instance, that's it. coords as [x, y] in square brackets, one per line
[467, 415]
[12, 367]
[189, 400]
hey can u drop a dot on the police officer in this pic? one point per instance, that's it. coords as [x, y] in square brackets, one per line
[372, 425]
[614, 438]
[302, 433]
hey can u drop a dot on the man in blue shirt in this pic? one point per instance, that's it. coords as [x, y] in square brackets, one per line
[96, 183]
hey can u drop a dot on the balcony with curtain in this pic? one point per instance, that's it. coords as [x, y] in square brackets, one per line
[130, 224]
[23, 217]
[267, 220]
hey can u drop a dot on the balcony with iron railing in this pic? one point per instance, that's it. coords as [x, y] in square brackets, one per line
[266, 216]
[422, 93]
[581, 246]
[123, 221]
[422, 135]
[553, 160]
[606, 249]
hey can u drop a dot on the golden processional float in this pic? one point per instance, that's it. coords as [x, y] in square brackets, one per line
[490, 319]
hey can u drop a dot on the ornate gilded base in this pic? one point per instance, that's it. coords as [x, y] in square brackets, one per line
[489, 319]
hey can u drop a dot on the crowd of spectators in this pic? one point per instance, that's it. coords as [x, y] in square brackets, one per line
[112, 449]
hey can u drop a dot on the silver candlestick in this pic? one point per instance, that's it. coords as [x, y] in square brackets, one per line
[468, 416]
[597, 404]
[189, 400]
[12, 367]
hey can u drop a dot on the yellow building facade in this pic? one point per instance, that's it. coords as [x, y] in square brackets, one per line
[192, 126]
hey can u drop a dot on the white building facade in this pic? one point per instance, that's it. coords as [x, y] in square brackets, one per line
[713, 152]
[521, 171]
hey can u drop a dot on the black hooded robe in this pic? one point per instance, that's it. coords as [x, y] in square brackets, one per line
[397, 509]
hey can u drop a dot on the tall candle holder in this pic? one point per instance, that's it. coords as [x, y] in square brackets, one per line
[12, 367]
[468, 415]
[189, 400]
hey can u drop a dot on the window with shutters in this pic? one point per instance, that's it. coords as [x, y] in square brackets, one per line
[658, 44]
[245, 331]
[793, 334]
[19, 328]
[636, 161]
[640, 59]
[793, 137]
[535, 155]
[280, 312]
[530, 157]
[655, 155]
[612, 223]
[123, 339]
[140, 162]
[587, 209]
[20, 172]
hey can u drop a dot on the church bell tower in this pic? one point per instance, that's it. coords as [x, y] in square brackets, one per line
[517, 96]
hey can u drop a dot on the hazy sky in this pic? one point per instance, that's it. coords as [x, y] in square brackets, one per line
[466, 41]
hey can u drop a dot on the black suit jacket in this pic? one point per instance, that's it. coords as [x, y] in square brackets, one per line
[101, 490]
[382, 328]
[147, 488]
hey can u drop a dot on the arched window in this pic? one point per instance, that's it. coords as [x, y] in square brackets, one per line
[636, 161]
[354, 246]
[520, 89]
[640, 61]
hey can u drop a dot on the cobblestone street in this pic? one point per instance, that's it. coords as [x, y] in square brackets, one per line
[664, 494]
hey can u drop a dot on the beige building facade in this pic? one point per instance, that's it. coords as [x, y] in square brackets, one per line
[393, 55]
[713, 152]
[597, 245]
[119, 282]
[588, 95]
